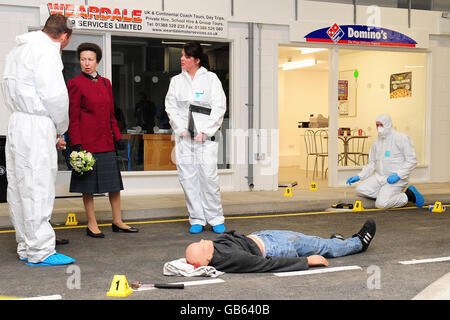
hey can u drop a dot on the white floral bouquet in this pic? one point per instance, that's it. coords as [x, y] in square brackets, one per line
[82, 161]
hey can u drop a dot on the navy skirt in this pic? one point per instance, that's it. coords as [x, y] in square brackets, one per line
[105, 176]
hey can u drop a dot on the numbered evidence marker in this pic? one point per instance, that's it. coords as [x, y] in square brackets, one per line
[288, 192]
[313, 186]
[71, 220]
[438, 207]
[358, 206]
[119, 287]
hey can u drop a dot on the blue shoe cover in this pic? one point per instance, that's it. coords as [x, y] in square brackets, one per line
[219, 228]
[56, 259]
[23, 259]
[419, 198]
[196, 228]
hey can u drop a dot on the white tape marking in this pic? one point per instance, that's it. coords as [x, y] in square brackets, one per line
[315, 271]
[53, 297]
[200, 282]
[414, 261]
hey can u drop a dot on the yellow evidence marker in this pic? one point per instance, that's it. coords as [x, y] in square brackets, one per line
[119, 287]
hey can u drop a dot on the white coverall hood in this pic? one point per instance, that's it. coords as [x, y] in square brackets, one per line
[35, 36]
[386, 120]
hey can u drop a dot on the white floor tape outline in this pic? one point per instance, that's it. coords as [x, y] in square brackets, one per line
[414, 261]
[53, 297]
[316, 271]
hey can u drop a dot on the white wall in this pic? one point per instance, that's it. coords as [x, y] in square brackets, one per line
[440, 109]
[13, 21]
[265, 171]
[301, 93]
[408, 114]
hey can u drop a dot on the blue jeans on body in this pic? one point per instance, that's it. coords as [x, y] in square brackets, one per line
[284, 243]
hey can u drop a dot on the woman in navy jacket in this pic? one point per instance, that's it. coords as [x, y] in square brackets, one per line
[93, 127]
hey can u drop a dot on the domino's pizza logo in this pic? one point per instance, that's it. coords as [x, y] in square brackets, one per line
[360, 35]
[335, 33]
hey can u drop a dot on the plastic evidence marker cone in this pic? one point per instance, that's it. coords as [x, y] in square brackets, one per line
[358, 206]
[438, 207]
[119, 287]
[288, 192]
[71, 220]
[313, 186]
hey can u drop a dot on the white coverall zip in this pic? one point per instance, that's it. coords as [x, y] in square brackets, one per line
[197, 161]
[391, 153]
[35, 92]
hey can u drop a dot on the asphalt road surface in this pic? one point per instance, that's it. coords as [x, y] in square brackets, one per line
[377, 274]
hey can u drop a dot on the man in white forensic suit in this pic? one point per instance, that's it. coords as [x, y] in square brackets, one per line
[392, 158]
[35, 92]
[196, 104]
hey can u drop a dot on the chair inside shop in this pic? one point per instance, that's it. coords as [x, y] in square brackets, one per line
[321, 138]
[356, 149]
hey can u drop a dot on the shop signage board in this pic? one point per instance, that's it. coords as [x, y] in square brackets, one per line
[360, 35]
[110, 19]
[400, 85]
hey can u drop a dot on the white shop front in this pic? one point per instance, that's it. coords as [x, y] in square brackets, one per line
[349, 83]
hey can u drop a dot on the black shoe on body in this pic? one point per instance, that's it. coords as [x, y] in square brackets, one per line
[366, 233]
[60, 241]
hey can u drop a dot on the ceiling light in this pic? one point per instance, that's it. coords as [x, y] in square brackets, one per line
[413, 67]
[182, 43]
[311, 50]
[172, 42]
[298, 64]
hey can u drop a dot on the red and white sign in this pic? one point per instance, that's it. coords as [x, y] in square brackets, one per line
[106, 18]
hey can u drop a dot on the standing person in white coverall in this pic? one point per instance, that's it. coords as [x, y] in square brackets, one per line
[35, 92]
[392, 158]
[196, 104]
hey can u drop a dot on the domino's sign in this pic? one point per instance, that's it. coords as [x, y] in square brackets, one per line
[360, 35]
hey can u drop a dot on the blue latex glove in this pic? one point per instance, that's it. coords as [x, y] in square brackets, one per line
[393, 178]
[352, 180]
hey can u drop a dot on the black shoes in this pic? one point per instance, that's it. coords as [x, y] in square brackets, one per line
[366, 233]
[94, 235]
[60, 241]
[114, 229]
[117, 229]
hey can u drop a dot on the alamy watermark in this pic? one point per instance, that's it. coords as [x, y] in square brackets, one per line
[74, 279]
[374, 279]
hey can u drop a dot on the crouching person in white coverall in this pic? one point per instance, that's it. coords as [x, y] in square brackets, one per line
[35, 92]
[392, 158]
[196, 104]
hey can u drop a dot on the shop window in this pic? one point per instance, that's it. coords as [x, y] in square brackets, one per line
[141, 73]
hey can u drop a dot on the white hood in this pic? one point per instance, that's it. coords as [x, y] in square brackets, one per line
[36, 36]
[386, 120]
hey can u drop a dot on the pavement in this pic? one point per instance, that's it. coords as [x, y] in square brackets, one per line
[424, 235]
[138, 207]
